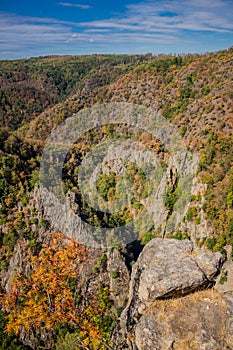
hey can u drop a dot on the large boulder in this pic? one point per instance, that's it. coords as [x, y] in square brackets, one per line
[169, 267]
[166, 269]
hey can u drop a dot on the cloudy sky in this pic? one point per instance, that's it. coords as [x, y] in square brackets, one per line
[36, 28]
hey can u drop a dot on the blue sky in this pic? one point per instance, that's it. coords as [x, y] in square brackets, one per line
[48, 27]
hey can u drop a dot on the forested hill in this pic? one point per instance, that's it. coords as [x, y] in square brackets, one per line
[30, 86]
[193, 92]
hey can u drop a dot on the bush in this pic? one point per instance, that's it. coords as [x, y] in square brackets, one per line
[147, 238]
[9, 342]
[10, 239]
[191, 213]
[223, 277]
[114, 274]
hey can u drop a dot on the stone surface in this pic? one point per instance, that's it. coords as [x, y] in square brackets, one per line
[224, 282]
[170, 268]
[210, 264]
[17, 263]
[166, 269]
[119, 278]
[204, 323]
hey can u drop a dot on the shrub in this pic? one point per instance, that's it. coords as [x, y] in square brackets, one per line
[147, 238]
[223, 277]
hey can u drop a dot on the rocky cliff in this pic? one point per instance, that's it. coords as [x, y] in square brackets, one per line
[173, 302]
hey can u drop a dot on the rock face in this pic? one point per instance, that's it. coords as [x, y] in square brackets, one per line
[166, 269]
[169, 268]
[191, 324]
[17, 263]
[119, 278]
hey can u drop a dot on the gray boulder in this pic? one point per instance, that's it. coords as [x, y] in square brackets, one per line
[170, 268]
[166, 268]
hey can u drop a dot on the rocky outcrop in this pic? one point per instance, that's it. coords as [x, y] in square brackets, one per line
[17, 263]
[200, 321]
[166, 269]
[224, 282]
[119, 278]
[170, 268]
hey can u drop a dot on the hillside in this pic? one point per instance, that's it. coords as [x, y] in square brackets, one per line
[49, 304]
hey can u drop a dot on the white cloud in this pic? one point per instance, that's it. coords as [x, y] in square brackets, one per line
[173, 16]
[23, 31]
[96, 30]
[151, 22]
[80, 6]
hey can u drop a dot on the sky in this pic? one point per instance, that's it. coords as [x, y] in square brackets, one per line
[49, 27]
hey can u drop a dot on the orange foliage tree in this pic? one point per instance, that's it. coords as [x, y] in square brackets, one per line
[47, 297]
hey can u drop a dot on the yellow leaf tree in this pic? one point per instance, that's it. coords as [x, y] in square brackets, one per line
[46, 297]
